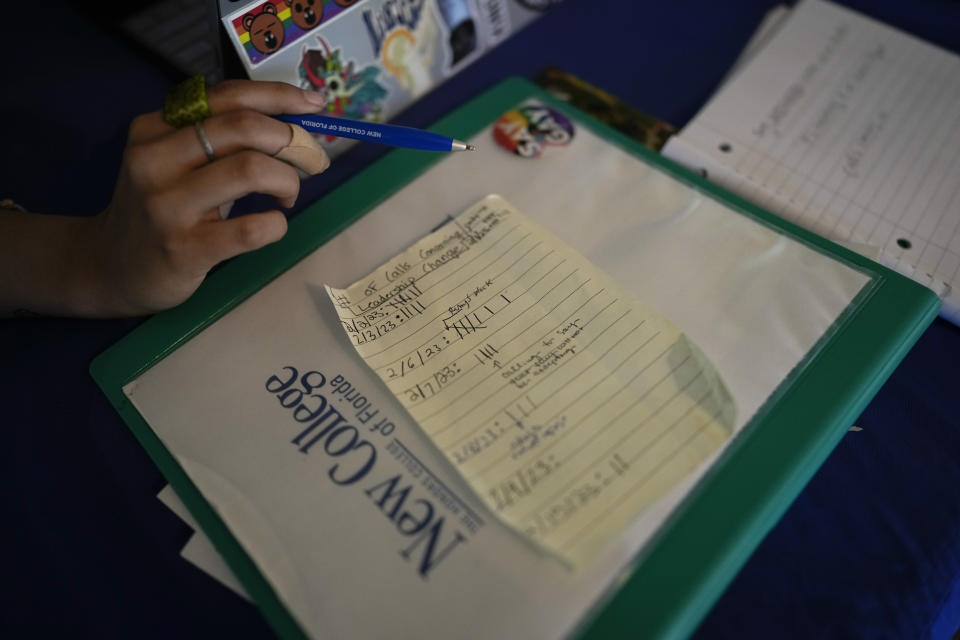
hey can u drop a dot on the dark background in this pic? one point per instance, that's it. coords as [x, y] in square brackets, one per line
[870, 549]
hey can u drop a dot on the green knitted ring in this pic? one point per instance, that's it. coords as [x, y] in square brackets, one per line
[186, 103]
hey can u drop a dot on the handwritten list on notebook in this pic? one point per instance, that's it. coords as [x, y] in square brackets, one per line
[567, 405]
[851, 129]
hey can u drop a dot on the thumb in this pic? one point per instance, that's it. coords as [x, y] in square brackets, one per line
[218, 240]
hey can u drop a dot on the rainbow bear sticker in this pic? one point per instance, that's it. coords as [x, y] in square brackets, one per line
[274, 24]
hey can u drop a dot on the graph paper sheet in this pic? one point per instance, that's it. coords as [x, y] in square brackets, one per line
[851, 129]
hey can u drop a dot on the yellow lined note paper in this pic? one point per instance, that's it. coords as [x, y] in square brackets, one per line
[568, 405]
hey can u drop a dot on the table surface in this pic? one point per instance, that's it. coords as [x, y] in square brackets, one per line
[865, 551]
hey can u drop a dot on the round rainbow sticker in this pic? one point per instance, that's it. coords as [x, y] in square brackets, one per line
[527, 131]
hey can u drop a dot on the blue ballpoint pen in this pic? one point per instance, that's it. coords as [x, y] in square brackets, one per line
[390, 134]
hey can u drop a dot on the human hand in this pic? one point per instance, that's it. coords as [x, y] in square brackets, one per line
[163, 231]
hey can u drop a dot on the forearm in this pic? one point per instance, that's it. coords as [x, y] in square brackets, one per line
[49, 266]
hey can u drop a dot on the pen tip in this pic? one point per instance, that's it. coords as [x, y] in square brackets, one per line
[471, 147]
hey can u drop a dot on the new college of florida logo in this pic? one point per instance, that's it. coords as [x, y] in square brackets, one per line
[526, 131]
[274, 24]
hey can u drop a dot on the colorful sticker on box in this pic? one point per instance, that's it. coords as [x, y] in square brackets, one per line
[460, 24]
[539, 5]
[405, 36]
[275, 24]
[527, 131]
[350, 93]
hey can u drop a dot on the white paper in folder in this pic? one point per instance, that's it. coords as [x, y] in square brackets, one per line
[332, 529]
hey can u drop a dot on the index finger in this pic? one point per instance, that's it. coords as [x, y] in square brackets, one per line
[266, 97]
[270, 98]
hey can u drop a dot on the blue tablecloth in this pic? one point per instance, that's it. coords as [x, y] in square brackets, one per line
[870, 549]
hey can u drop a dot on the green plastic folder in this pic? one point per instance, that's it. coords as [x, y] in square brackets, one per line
[696, 553]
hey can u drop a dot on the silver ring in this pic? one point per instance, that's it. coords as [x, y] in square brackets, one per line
[204, 141]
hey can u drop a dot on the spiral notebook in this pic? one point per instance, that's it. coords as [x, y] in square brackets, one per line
[849, 128]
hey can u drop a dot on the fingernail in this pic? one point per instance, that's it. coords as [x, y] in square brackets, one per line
[225, 209]
[315, 97]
